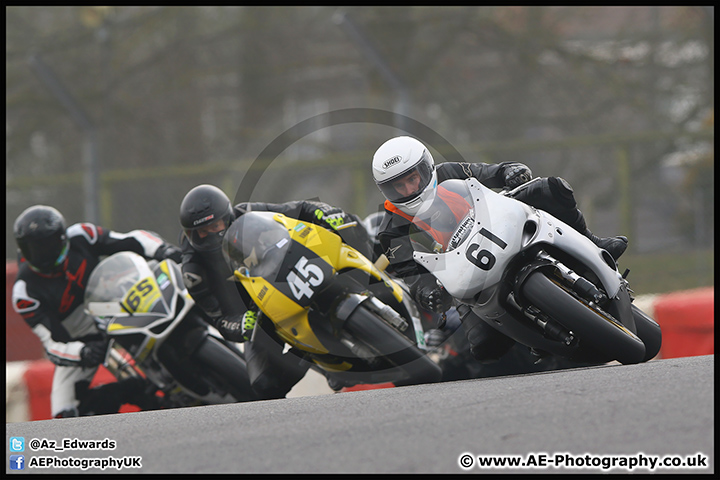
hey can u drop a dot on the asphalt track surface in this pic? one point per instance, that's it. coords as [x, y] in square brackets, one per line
[663, 409]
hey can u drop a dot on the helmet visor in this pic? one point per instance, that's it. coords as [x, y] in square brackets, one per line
[209, 236]
[47, 254]
[409, 184]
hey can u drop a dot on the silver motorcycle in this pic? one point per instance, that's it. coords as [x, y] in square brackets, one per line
[531, 276]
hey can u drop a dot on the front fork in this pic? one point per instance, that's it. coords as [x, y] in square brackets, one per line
[550, 328]
[120, 363]
[578, 284]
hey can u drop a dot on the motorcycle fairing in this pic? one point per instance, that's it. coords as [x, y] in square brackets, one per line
[324, 243]
[140, 307]
[503, 228]
[284, 293]
[125, 296]
[274, 296]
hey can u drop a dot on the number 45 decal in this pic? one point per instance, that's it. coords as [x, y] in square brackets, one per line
[309, 276]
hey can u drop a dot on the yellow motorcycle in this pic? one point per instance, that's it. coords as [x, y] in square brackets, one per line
[328, 301]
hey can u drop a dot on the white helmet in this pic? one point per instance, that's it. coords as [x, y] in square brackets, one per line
[397, 159]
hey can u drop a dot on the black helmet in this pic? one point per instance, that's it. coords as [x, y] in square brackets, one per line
[205, 214]
[40, 235]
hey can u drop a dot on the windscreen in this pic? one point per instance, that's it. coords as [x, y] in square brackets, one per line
[255, 244]
[443, 224]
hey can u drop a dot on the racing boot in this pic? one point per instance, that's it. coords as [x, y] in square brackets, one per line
[564, 207]
[614, 245]
[487, 345]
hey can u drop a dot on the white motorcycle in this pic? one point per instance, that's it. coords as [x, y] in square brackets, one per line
[531, 276]
[157, 332]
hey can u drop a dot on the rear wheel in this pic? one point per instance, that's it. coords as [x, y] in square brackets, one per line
[595, 329]
[390, 344]
[226, 368]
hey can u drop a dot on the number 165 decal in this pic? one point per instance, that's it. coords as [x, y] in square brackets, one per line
[303, 277]
[484, 259]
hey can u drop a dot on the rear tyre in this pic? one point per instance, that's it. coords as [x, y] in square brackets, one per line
[601, 333]
[393, 346]
[226, 368]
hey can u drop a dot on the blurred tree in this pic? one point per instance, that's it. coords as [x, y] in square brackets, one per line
[198, 91]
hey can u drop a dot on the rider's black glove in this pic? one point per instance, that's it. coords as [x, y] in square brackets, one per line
[435, 337]
[168, 250]
[516, 174]
[93, 353]
[433, 298]
[332, 218]
[237, 328]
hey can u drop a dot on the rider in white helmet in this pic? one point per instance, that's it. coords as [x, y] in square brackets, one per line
[405, 172]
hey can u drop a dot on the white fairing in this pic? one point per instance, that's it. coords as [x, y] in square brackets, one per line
[112, 286]
[114, 280]
[501, 228]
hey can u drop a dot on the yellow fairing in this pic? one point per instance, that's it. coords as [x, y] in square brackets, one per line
[291, 319]
[114, 327]
[330, 248]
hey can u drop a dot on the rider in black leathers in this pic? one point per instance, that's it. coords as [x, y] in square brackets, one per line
[54, 264]
[205, 215]
[405, 172]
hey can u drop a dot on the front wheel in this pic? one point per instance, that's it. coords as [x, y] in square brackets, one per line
[649, 332]
[396, 348]
[597, 330]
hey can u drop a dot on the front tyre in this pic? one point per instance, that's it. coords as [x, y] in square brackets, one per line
[396, 348]
[649, 332]
[601, 332]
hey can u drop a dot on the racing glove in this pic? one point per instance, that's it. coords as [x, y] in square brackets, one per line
[433, 298]
[93, 353]
[435, 337]
[516, 174]
[237, 328]
[168, 250]
[332, 218]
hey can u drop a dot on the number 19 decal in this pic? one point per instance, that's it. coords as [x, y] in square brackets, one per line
[309, 276]
[484, 259]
